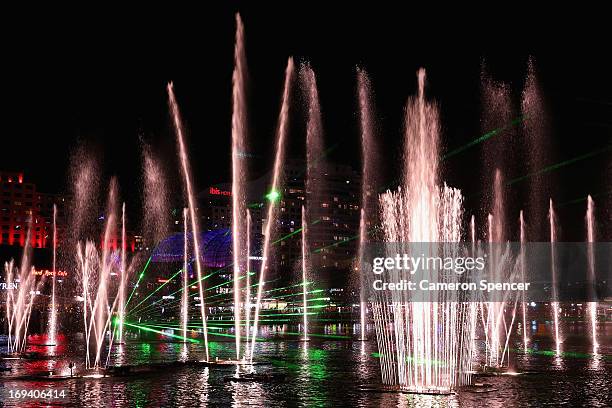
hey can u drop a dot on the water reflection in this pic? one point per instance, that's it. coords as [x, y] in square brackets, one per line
[325, 371]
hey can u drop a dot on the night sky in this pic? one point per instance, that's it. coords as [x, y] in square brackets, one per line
[89, 81]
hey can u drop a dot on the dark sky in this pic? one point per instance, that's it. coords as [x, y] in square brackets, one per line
[88, 80]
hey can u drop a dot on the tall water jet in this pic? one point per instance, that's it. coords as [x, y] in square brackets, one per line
[534, 132]
[304, 276]
[102, 311]
[369, 179]
[247, 296]
[592, 305]
[95, 273]
[496, 237]
[19, 308]
[315, 162]
[523, 266]
[497, 114]
[421, 211]
[178, 128]
[239, 123]
[282, 130]
[185, 294]
[553, 269]
[155, 212]
[52, 333]
[122, 278]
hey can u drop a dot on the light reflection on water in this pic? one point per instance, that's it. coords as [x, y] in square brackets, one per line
[320, 372]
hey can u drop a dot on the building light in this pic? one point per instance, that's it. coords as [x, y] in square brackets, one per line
[163, 280]
[216, 191]
[169, 297]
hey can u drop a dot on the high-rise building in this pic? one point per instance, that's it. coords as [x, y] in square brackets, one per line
[23, 207]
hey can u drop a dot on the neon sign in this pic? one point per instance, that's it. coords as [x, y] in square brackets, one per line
[46, 272]
[216, 191]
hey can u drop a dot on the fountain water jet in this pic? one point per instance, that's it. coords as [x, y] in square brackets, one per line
[247, 303]
[555, 303]
[592, 306]
[414, 335]
[19, 308]
[96, 272]
[178, 127]
[185, 294]
[122, 277]
[369, 180]
[238, 171]
[524, 304]
[304, 276]
[283, 128]
[52, 330]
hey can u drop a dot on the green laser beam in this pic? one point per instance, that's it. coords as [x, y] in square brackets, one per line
[583, 199]
[470, 144]
[137, 282]
[157, 290]
[176, 336]
[297, 231]
[482, 138]
[556, 166]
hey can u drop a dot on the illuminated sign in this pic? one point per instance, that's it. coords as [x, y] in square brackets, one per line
[163, 280]
[216, 191]
[46, 272]
[8, 286]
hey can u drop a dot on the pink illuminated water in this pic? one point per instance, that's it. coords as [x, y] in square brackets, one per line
[19, 306]
[283, 128]
[524, 304]
[422, 211]
[185, 294]
[239, 130]
[122, 277]
[178, 127]
[52, 330]
[592, 306]
[304, 276]
[555, 304]
[369, 155]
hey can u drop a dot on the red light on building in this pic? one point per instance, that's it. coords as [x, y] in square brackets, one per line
[216, 191]
[163, 280]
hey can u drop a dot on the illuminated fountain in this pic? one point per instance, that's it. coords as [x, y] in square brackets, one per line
[553, 269]
[185, 294]
[95, 273]
[239, 142]
[369, 184]
[273, 196]
[52, 326]
[304, 276]
[414, 336]
[19, 306]
[123, 272]
[592, 306]
[523, 266]
[179, 130]
[315, 167]
[247, 296]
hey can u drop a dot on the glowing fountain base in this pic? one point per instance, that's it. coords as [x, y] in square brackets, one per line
[399, 390]
[253, 377]
[221, 363]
